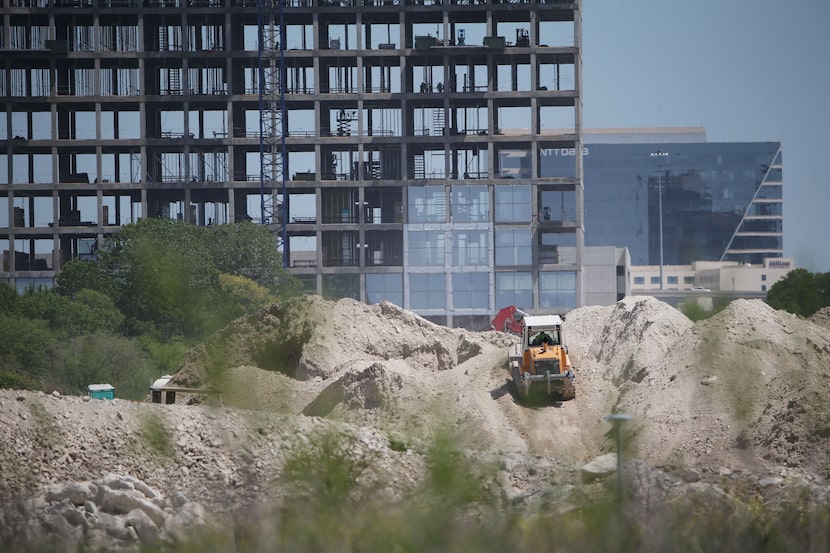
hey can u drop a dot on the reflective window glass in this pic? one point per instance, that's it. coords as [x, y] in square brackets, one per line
[426, 247]
[513, 246]
[512, 203]
[470, 204]
[558, 290]
[427, 204]
[701, 191]
[470, 247]
[380, 287]
[514, 289]
[471, 290]
[427, 291]
[341, 286]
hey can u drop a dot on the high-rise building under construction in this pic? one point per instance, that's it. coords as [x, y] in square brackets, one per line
[395, 146]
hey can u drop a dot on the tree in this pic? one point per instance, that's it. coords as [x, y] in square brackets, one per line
[99, 358]
[800, 292]
[82, 274]
[164, 277]
[242, 295]
[249, 250]
[90, 311]
[9, 298]
[25, 345]
[245, 249]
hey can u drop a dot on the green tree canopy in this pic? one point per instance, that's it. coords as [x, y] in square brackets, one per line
[99, 358]
[164, 274]
[800, 292]
[83, 274]
[248, 250]
[245, 249]
[25, 344]
[242, 295]
[157, 287]
[9, 298]
[90, 311]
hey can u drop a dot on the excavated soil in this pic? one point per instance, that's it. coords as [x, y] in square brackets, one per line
[744, 391]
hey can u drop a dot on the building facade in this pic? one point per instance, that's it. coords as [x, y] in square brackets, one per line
[672, 198]
[402, 123]
[724, 278]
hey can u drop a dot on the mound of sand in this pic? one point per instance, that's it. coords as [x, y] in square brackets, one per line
[742, 388]
[745, 390]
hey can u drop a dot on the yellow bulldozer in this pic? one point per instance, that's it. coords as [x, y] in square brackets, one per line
[542, 357]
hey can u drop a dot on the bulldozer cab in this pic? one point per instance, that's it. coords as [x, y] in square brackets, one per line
[549, 337]
[542, 329]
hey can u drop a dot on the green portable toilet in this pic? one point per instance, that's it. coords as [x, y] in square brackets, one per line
[101, 391]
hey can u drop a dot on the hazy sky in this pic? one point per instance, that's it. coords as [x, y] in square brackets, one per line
[747, 70]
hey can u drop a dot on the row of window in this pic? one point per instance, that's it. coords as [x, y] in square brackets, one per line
[472, 290]
[641, 280]
[472, 247]
[471, 204]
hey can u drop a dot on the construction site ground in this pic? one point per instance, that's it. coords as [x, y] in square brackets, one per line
[744, 392]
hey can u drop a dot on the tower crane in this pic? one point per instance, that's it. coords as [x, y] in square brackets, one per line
[273, 123]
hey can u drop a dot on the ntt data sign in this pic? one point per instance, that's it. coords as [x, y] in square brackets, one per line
[559, 162]
[562, 152]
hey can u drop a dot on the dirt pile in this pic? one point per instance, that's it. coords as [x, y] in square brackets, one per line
[742, 393]
[822, 317]
[742, 388]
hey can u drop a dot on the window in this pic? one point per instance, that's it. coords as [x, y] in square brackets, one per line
[514, 289]
[655, 280]
[557, 206]
[512, 204]
[687, 280]
[763, 288]
[341, 286]
[471, 290]
[763, 278]
[427, 291]
[558, 289]
[513, 247]
[387, 287]
[639, 280]
[514, 164]
[427, 204]
[470, 204]
[426, 247]
[470, 247]
[671, 280]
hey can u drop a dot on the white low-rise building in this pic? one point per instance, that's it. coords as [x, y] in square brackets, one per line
[715, 276]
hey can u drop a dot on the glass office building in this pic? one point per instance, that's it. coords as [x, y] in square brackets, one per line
[705, 201]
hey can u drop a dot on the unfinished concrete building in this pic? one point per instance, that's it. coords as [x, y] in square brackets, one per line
[412, 131]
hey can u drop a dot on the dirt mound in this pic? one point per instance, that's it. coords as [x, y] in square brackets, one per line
[743, 392]
[739, 389]
[742, 388]
[821, 317]
[348, 331]
[312, 338]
